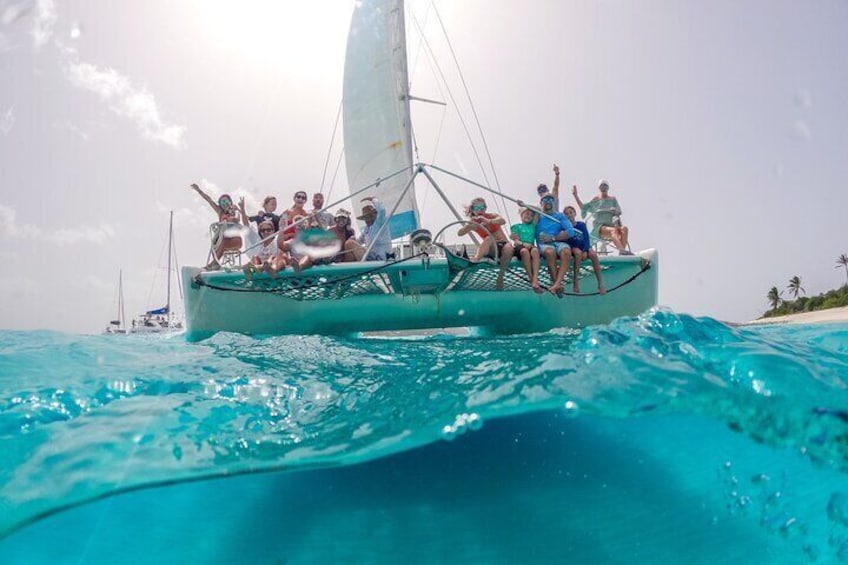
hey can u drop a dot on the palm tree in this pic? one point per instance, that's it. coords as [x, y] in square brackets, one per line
[842, 262]
[774, 297]
[795, 286]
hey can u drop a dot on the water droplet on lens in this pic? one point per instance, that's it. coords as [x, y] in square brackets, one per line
[448, 433]
[461, 313]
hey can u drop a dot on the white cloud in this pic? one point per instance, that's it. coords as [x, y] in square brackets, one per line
[7, 120]
[9, 227]
[43, 22]
[125, 99]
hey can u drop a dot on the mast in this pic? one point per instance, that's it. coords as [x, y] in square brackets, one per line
[121, 318]
[170, 245]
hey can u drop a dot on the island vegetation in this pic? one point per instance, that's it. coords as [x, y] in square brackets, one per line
[781, 306]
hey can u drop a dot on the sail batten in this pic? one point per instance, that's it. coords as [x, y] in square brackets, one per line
[377, 129]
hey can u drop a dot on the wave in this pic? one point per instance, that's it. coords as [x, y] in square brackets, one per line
[83, 417]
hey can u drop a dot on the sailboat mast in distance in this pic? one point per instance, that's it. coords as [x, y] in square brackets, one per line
[170, 247]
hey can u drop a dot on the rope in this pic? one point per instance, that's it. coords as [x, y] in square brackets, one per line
[330, 149]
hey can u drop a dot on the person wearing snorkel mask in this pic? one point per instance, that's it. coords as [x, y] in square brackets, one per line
[488, 226]
[228, 215]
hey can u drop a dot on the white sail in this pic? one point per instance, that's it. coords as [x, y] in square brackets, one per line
[377, 134]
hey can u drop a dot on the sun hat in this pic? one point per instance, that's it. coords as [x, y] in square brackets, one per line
[365, 210]
[342, 213]
[603, 182]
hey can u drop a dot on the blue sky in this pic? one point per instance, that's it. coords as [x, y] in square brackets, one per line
[720, 125]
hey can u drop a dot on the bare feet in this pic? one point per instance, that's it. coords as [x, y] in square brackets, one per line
[602, 290]
[499, 284]
[248, 272]
[537, 288]
[295, 265]
[576, 288]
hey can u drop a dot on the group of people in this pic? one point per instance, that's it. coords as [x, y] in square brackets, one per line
[546, 232]
[277, 241]
[273, 243]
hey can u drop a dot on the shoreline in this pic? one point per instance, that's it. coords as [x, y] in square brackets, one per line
[817, 317]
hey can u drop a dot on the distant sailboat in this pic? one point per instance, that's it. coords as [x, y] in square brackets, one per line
[119, 324]
[162, 319]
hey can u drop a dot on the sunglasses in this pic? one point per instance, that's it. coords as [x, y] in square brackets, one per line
[266, 230]
[478, 207]
[300, 197]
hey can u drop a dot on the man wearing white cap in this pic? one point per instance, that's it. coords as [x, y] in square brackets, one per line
[374, 235]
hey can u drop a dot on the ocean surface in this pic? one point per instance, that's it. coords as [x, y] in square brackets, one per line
[658, 439]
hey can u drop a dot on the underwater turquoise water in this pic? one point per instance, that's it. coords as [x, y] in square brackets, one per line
[658, 439]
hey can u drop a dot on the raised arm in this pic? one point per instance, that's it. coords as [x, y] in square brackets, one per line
[580, 204]
[244, 219]
[207, 198]
[555, 190]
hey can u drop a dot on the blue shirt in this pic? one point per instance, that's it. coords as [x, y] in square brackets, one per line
[552, 227]
[582, 243]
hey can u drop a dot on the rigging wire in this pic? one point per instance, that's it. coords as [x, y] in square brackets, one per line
[471, 103]
[330, 149]
[459, 114]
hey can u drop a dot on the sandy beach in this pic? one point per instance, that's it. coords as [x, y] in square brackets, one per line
[817, 317]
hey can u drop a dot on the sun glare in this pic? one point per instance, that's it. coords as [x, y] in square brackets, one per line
[305, 35]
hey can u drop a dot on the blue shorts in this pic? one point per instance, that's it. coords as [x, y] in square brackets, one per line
[557, 246]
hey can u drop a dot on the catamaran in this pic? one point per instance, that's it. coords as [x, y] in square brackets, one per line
[427, 284]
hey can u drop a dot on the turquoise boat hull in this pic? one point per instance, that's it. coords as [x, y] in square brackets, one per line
[416, 294]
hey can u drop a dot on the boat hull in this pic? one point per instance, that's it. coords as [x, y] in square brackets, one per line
[411, 295]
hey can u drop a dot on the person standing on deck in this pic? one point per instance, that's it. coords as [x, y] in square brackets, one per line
[552, 229]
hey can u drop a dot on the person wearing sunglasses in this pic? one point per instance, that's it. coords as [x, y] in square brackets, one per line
[552, 229]
[228, 217]
[266, 257]
[297, 209]
[488, 226]
[344, 232]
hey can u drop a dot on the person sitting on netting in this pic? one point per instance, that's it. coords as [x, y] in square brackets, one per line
[606, 222]
[226, 232]
[488, 226]
[581, 248]
[346, 236]
[552, 229]
[523, 235]
[265, 256]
